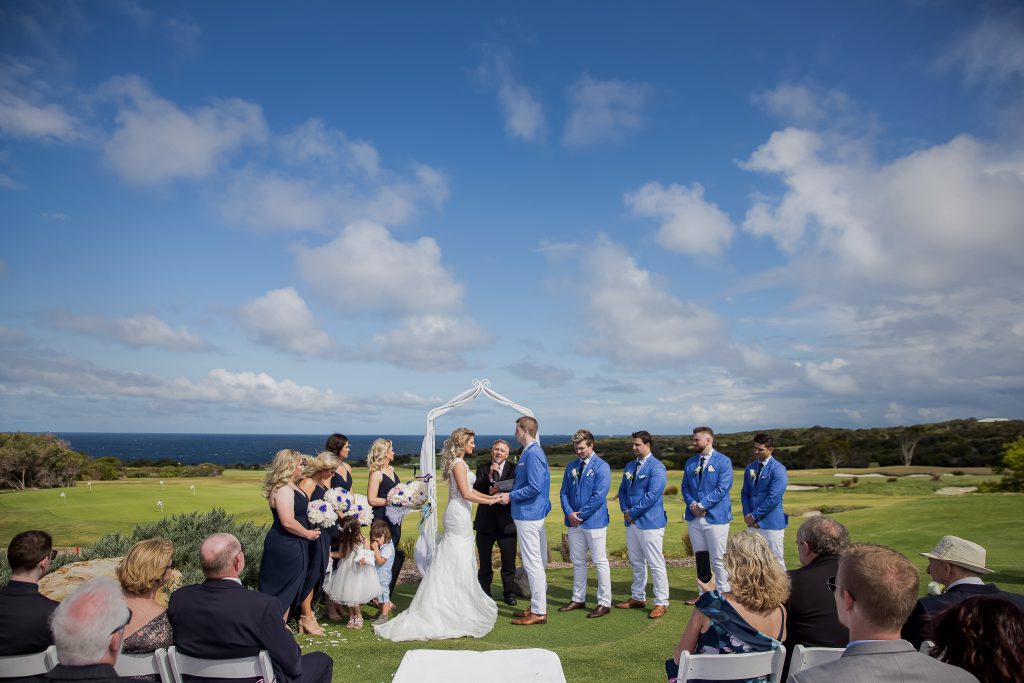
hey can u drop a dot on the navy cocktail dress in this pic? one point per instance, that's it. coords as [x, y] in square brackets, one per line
[285, 557]
[319, 555]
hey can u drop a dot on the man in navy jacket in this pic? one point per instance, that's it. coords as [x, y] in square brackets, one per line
[222, 619]
[584, 497]
[707, 480]
[764, 484]
[24, 611]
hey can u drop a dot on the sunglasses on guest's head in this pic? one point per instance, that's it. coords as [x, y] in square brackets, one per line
[170, 565]
[53, 554]
[833, 586]
[125, 624]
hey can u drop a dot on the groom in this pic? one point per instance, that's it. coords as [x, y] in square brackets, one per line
[530, 500]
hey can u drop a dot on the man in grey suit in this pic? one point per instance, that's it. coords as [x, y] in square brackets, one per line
[875, 589]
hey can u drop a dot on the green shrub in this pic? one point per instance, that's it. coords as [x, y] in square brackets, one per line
[672, 490]
[847, 483]
[892, 480]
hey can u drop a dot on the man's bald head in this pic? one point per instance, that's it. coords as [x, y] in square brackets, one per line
[217, 556]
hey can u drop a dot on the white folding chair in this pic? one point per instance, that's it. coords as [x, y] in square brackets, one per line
[806, 657]
[926, 646]
[258, 666]
[35, 664]
[729, 667]
[145, 665]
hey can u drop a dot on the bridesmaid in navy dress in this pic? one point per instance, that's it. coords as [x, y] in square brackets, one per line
[342, 477]
[286, 546]
[316, 479]
[383, 478]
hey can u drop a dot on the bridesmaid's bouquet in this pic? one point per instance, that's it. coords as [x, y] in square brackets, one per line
[361, 509]
[322, 513]
[340, 499]
[404, 498]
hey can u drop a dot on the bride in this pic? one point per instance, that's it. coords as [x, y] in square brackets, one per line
[449, 602]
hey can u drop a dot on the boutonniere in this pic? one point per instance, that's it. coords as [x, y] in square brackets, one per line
[697, 471]
[753, 474]
[629, 476]
[575, 473]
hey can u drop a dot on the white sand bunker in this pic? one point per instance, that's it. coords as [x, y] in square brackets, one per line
[801, 487]
[871, 474]
[956, 490]
[812, 513]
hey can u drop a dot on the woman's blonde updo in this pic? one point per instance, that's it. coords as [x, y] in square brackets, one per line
[142, 569]
[377, 458]
[325, 460]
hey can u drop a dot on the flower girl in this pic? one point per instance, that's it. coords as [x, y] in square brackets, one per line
[355, 580]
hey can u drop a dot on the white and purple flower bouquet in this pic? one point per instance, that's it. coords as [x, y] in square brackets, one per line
[340, 499]
[322, 513]
[404, 498]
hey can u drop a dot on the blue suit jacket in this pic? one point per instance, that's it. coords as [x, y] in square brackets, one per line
[763, 497]
[713, 491]
[642, 494]
[587, 493]
[531, 488]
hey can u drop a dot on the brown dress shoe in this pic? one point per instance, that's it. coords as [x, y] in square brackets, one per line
[520, 613]
[531, 619]
[571, 606]
[658, 612]
[599, 611]
[631, 603]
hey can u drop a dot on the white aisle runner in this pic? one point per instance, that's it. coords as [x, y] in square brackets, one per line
[491, 666]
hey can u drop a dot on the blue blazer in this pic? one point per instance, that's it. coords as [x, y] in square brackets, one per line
[587, 493]
[713, 491]
[762, 497]
[531, 488]
[643, 495]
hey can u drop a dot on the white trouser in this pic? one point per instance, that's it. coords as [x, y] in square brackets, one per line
[645, 550]
[594, 540]
[533, 551]
[711, 537]
[776, 541]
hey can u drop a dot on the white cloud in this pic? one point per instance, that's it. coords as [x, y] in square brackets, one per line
[282, 320]
[366, 269]
[635, 322]
[54, 216]
[142, 330]
[829, 376]
[313, 141]
[689, 223]
[992, 51]
[543, 375]
[801, 105]
[9, 183]
[26, 114]
[428, 343]
[184, 35]
[155, 141]
[604, 111]
[524, 115]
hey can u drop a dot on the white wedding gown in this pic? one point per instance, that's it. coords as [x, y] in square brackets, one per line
[449, 602]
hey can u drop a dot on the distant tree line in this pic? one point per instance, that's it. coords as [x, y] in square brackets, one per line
[43, 461]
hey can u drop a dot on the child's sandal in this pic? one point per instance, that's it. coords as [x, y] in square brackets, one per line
[359, 622]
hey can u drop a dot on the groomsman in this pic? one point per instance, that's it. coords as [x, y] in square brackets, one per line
[584, 498]
[494, 523]
[530, 501]
[764, 484]
[707, 479]
[641, 499]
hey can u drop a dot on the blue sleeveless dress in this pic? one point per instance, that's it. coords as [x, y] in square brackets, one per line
[319, 555]
[285, 557]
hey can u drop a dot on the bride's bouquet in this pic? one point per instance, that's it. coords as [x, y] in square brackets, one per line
[404, 498]
[348, 504]
[322, 513]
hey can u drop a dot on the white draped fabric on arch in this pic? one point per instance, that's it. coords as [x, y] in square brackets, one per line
[424, 552]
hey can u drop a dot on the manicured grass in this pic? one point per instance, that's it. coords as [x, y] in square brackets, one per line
[906, 515]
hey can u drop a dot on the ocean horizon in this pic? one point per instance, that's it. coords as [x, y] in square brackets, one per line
[248, 449]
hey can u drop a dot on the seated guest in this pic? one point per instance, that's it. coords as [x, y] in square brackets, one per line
[875, 589]
[811, 618]
[221, 619]
[958, 565]
[24, 612]
[144, 571]
[983, 635]
[750, 617]
[88, 629]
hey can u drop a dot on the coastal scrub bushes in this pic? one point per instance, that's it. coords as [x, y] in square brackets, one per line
[37, 461]
[1012, 469]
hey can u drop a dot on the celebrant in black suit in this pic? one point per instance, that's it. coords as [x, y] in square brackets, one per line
[494, 523]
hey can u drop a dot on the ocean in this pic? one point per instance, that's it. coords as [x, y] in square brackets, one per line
[250, 449]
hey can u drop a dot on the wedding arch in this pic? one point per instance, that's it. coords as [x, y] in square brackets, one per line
[424, 551]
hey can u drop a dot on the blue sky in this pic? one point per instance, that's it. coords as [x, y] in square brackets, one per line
[268, 217]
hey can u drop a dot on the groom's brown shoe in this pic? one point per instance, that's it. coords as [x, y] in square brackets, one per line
[571, 606]
[530, 619]
[599, 611]
[520, 613]
[631, 604]
[658, 612]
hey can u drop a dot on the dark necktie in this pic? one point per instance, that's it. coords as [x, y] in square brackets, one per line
[700, 468]
[757, 475]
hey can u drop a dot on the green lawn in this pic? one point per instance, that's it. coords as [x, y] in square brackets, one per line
[906, 515]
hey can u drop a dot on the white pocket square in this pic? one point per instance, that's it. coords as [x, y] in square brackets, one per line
[711, 468]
